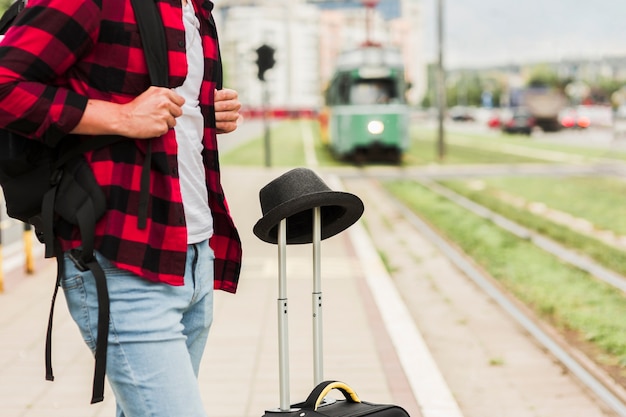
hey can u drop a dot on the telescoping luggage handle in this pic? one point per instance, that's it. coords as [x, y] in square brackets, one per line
[283, 311]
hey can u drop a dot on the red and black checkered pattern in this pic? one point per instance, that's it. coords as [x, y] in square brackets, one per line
[61, 53]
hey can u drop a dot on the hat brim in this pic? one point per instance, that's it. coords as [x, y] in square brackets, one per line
[338, 210]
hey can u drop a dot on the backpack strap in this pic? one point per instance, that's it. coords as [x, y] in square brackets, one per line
[78, 198]
[9, 16]
[152, 35]
[70, 151]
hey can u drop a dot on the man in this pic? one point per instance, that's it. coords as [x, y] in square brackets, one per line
[78, 67]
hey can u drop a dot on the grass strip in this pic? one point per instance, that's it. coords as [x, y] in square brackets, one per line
[564, 295]
[286, 148]
[606, 255]
[423, 150]
[598, 199]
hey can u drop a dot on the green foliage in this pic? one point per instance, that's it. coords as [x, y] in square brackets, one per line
[465, 90]
[544, 76]
[604, 89]
[464, 87]
[4, 5]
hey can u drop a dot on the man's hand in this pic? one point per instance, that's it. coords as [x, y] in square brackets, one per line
[152, 113]
[227, 107]
[149, 115]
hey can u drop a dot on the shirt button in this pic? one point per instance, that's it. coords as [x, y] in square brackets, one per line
[181, 220]
[181, 44]
[174, 172]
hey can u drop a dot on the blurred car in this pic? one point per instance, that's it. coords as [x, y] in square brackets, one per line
[519, 122]
[494, 121]
[571, 119]
[461, 114]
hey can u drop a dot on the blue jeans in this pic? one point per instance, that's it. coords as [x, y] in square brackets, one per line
[157, 333]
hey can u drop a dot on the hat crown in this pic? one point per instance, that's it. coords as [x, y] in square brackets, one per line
[296, 183]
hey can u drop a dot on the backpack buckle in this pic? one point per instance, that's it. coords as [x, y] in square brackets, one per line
[75, 255]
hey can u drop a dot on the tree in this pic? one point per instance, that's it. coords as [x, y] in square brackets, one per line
[543, 76]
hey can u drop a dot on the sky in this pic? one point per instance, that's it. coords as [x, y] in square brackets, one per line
[490, 32]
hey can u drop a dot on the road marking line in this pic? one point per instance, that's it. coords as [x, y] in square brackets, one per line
[427, 383]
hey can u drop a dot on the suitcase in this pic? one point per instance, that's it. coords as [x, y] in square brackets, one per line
[313, 217]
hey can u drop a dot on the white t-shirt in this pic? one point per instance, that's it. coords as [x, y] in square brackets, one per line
[189, 129]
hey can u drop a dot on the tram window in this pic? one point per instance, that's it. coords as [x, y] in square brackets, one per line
[343, 89]
[339, 90]
[373, 92]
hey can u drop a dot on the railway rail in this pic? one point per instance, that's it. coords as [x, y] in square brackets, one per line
[610, 395]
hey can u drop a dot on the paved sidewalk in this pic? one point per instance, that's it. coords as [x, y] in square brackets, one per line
[239, 375]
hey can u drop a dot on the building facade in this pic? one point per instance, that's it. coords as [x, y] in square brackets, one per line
[307, 35]
[290, 27]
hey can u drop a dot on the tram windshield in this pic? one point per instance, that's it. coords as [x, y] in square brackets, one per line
[378, 91]
[345, 90]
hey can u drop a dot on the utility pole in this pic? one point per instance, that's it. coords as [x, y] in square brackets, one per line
[441, 84]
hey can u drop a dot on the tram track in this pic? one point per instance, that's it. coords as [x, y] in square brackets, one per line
[593, 377]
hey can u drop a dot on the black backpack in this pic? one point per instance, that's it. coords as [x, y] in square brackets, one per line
[61, 183]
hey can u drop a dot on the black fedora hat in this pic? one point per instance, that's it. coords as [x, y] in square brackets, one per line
[293, 196]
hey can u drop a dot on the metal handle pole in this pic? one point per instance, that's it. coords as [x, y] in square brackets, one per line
[318, 366]
[283, 330]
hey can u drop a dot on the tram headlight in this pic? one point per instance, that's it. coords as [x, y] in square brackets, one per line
[375, 127]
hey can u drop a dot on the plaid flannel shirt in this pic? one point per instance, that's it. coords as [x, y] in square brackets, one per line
[59, 54]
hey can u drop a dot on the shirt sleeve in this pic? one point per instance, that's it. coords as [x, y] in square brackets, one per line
[45, 41]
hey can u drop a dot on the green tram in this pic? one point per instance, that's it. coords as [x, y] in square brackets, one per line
[367, 114]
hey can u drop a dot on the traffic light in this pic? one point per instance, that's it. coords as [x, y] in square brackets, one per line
[265, 60]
